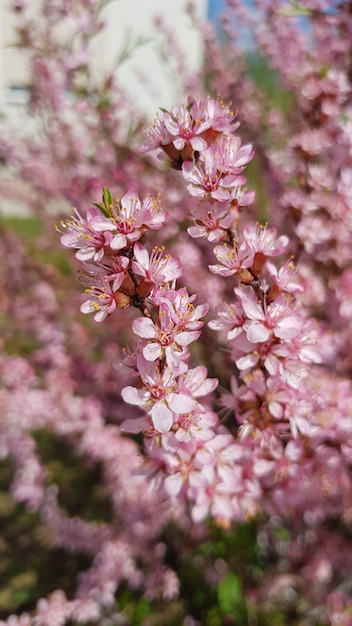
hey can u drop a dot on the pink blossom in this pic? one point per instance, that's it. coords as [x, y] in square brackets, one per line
[247, 354]
[277, 318]
[262, 240]
[172, 334]
[195, 382]
[131, 218]
[183, 127]
[231, 318]
[233, 261]
[159, 395]
[187, 315]
[206, 178]
[212, 219]
[89, 235]
[100, 299]
[156, 268]
[218, 487]
[189, 128]
[155, 136]
[231, 156]
[196, 424]
[110, 268]
[53, 611]
[278, 395]
[128, 219]
[284, 278]
[311, 143]
[219, 116]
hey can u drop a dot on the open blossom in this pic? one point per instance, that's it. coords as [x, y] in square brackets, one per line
[155, 267]
[231, 318]
[218, 116]
[278, 395]
[213, 475]
[233, 261]
[311, 143]
[187, 315]
[102, 300]
[195, 382]
[264, 243]
[196, 424]
[187, 129]
[231, 156]
[207, 178]
[222, 482]
[159, 395]
[112, 268]
[246, 354]
[89, 235]
[132, 217]
[176, 329]
[164, 399]
[284, 278]
[176, 131]
[183, 127]
[216, 173]
[154, 136]
[264, 320]
[98, 233]
[263, 240]
[212, 219]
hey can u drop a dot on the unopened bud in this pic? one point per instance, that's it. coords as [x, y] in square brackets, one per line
[144, 288]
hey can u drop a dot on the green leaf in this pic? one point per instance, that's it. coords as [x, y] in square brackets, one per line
[102, 208]
[107, 197]
[141, 610]
[230, 596]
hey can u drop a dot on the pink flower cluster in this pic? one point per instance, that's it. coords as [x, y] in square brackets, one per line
[188, 129]
[198, 139]
[104, 240]
[272, 344]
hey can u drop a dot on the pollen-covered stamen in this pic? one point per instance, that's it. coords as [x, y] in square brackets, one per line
[156, 257]
[185, 315]
[102, 301]
[124, 215]
[186, 132]
[165, 338]
[211, 184]
[186, 420]
[159, 384]
[157, 392]
[277, 311]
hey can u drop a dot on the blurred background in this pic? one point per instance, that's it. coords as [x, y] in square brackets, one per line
[130, 25]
